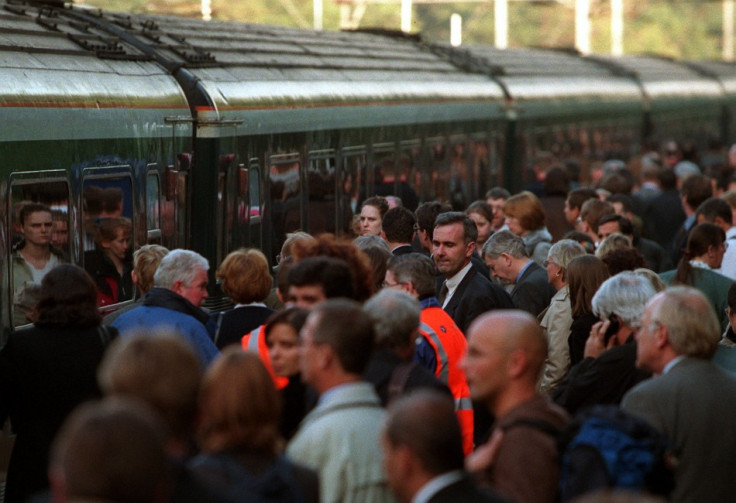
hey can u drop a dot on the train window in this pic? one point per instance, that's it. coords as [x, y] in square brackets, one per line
[108, 235]
[153, 208]
[255, 205]
[409, 173]
[285, 182]
[438, 169]
[40, 226]
[481, 168]
[460, 181]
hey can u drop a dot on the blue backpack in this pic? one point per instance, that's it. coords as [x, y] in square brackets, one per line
[605, 446]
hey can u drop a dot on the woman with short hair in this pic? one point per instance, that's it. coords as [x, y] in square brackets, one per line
[246, 279]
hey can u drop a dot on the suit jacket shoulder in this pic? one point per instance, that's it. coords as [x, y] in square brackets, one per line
[474, 296]
[533, 292]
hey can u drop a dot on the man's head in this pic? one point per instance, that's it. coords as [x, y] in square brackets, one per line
[612, 223]
[145, 262]
[623, 296]
[413, 273]
[421, 440]
[395, 315]
[160, 369]
[496, 198]
[717, 211]
[426, 215]
[184, 272]
[677, 321]
[314, 279]
[591, 213]
[111, 450]
[337, 341]
[506, 353]
[453, 242]
[36, 224]
[398, 226]
[694, 191]
[505, 255]
[574, 201]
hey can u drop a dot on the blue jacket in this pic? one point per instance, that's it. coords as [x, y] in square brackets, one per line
[149, 317]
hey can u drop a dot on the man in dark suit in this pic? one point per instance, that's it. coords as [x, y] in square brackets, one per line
[423, 452]
[398, 230]
[465, 293]
[505, 255]
[691, 400]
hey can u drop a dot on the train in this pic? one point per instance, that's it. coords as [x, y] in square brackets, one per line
[222, 135]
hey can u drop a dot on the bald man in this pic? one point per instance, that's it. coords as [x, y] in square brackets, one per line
[506, 353]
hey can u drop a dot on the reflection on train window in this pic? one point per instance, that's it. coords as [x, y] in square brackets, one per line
[409, 174]
[323, 214]
[459, 183]
[286, 207]
[352, 181]
[40, 239]
[153, 208]
[108, 237]
[439, 172]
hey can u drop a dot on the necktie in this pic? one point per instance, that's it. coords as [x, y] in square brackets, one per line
[443, 293]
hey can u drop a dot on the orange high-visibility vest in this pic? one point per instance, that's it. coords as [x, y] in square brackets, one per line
[449, 345]
[255, 342]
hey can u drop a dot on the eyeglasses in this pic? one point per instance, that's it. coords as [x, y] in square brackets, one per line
[416, 228]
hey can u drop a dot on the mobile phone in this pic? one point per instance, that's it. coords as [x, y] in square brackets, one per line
[612, 328]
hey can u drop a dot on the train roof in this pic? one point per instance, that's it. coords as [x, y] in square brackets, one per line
[536, 79]
[668, 83]
[724, 72]
[50, 67]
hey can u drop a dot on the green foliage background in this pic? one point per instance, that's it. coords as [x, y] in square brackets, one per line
[677, 28]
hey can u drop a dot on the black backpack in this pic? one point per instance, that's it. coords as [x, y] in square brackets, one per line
[605, 446]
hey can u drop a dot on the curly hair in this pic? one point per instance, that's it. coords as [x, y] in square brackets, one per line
[329, 246]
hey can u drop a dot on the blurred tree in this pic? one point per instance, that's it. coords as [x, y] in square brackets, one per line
[682, 29]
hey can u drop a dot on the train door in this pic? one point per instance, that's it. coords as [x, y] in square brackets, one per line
[111, 227]
[40, 215]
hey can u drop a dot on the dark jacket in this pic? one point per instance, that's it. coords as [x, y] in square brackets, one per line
[381, 368]
[44, 374]
[602, 380]
[232, 325]
[111, 286]
[474, 296]
[533, 292]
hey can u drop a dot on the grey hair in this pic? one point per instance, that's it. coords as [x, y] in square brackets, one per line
[504, 242]
[363, 242]
[395, 315]
[179, 265]
[625, 295]
[417, 269]
[692, 326]
[562, 253]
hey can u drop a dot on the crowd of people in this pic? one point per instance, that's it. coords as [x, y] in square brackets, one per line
[434, 358]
